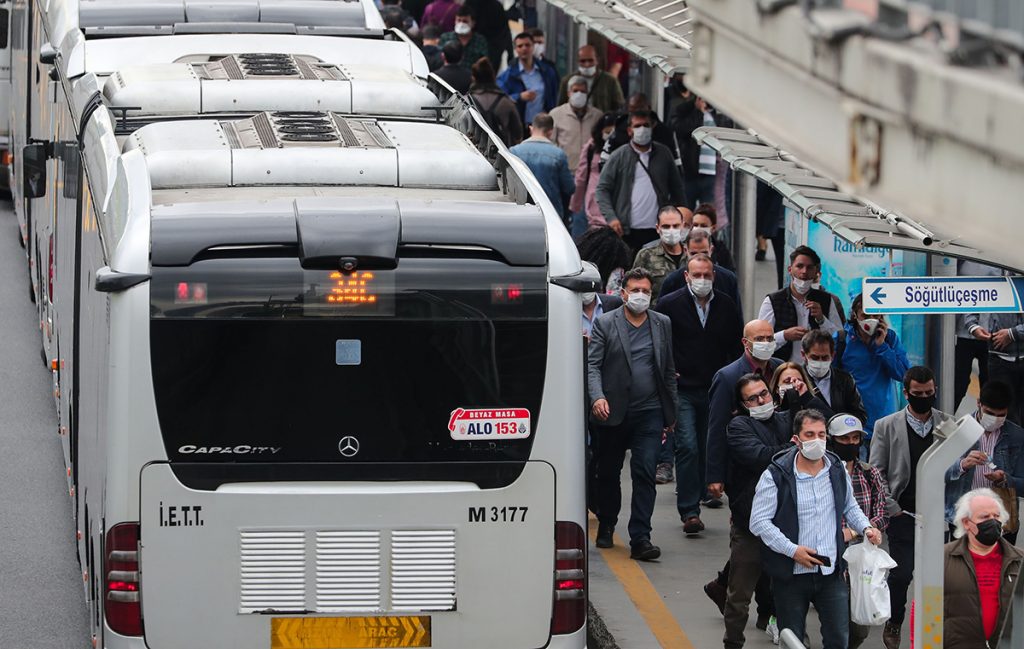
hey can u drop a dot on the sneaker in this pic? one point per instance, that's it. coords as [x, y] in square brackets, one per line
[717, 593]
[772, 629]
[604, 536]
[663, 474]
[644, 551]
[693, 525]
[891, 635]
[712, 503]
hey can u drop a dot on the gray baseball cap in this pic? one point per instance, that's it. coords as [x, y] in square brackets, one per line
[844, 424]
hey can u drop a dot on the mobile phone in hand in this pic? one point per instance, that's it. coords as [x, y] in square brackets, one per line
[825, 561]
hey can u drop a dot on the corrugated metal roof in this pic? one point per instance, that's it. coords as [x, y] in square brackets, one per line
[657, 31]
[854, 220]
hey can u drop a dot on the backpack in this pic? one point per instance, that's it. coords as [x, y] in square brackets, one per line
[492, 119]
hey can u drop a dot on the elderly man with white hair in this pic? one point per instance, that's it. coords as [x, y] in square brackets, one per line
[982, 569]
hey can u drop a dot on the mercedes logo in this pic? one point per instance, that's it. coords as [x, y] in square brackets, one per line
[348, 446]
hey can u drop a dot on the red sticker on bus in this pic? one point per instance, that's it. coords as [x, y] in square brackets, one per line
[489, 423]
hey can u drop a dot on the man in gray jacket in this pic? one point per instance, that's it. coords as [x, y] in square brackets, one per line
[631, 381]
[636, 181]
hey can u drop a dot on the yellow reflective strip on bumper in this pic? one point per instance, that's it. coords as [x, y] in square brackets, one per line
[355, 632]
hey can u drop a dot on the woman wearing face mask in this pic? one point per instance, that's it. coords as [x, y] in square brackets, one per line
[845, 434]
[793, 390]
[872, 353]
[588, 172]
[981, 572]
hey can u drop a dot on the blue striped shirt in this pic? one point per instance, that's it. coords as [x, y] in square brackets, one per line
[815, 513]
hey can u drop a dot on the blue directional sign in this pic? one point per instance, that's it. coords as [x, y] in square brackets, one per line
[942, 294]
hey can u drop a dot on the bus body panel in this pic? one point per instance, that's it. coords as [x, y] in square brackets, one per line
[260, 551]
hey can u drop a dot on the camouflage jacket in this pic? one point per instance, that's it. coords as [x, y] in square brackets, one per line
[656, 261]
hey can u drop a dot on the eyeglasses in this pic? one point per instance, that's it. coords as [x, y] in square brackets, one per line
[763, 395]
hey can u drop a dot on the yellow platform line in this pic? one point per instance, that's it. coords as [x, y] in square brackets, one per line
[641, 591]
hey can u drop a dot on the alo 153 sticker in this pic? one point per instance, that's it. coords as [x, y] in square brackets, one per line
[489, 423]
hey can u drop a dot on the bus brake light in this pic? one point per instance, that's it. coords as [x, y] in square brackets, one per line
[569, 613]
[121, 569]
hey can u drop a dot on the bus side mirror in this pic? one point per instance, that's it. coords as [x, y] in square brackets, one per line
[47, 54]
[33, 169]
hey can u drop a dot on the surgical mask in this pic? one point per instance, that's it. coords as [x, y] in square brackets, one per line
[991, 422]
[801, 285]
[607, 135]
[578, 99]
[588, 298]
[462, 29]
[701, 228]
[638, 302]
[538, 49]
[762, 351]
[670, 236]
[813, 449]
[762, 412]
[642, 135]
[869, 326]
[818, 369]
[588, 71]
[989, 531]
[846, 452]
[816, 286]
[921, 405]
[701, 287]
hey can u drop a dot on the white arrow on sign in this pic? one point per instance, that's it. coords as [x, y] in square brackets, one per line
[940, 295]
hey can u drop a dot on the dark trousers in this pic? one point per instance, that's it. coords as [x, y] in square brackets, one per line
[689, 442]
[699, 189]
[640, 433]
[637, 238]
[1013, 375]
[901, 549]
[831, 598]
[967, 351]
[762, 592]
[744, 574]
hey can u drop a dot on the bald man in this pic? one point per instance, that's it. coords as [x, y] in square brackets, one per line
[603, 90]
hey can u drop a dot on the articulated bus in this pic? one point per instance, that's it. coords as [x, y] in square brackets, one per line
[318, 371]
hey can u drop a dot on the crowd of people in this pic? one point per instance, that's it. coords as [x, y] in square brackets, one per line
[793, 418]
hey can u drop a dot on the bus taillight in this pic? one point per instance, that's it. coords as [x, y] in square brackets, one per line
[570, 610]
[121, 567]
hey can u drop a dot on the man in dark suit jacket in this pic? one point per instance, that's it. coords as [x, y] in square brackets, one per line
[706, 332]
[725, 280]
[836, 387]
[631, 383]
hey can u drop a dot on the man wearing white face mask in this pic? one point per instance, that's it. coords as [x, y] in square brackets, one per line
[603, 90]
[665, 254]
[836, 387]
[574, 121]
[798, 308]
[800, 505]
[631, 384]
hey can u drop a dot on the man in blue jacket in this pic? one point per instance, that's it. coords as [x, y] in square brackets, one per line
[530, 82]
[547, 162]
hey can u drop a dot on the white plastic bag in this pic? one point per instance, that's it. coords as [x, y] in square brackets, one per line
[869, 566]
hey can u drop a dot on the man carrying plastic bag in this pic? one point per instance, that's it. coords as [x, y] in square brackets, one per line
[869, 567]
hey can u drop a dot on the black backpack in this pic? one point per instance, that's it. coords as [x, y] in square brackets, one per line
[492, 118]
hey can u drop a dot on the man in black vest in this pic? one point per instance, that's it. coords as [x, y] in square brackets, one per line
[803, 544]
[706, 332]
[795, 309]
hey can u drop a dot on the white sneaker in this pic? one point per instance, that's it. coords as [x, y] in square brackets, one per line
[773, 630]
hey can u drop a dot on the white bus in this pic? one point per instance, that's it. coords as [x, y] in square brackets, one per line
[323, 378]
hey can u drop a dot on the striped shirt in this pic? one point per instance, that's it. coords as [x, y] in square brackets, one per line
[816, 515]
[707, 161]
[987, 445]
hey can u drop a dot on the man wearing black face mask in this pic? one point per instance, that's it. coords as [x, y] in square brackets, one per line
[981, 572]
[899, 441]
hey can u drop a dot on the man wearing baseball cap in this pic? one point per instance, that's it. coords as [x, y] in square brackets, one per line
[845, 435]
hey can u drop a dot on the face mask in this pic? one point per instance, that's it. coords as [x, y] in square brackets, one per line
[588, 71]
[991, 422]
[701, 228]
[638, 302]
[462, 29]
[607, 135]
[670, 236]
[846, 452]
[869, 326]
[921, 405]
[538, 49]
[762, 412]
[818, 369]
[816, 286]
[813, 450]
[701, 287]
[578, 99]
[642, 135]
[801, 285]
[588, 298]
[762, 351]
[989, 531]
